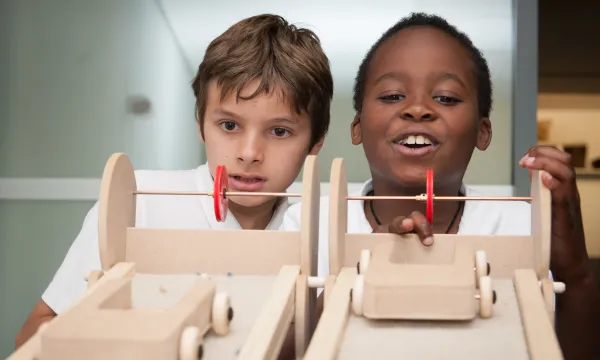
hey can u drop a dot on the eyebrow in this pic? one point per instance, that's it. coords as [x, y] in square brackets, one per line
[451, 76]
[438, 76]
[395, 75]
[278, 119]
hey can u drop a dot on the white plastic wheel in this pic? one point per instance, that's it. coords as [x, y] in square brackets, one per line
[365, 258]
[220, 313]
[480, 265]
[357, 295]
[189, 343]
[486, 297]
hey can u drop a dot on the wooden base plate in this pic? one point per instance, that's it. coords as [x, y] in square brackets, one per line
[499, 337]
[248, 295]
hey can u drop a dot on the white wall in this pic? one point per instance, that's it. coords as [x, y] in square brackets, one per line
[72, 65]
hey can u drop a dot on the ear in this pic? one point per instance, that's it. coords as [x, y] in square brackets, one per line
[317, 147]
[484, 134]
[356, 131]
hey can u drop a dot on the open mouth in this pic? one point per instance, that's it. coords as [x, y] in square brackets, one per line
[246, 182]
[415, 145]
[416, 142]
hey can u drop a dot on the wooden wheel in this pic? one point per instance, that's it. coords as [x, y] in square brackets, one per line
[116, 209]
[222, 314]
[486, 297]
[190, 344]
[365, 258]
[357, 295]
[481, 266]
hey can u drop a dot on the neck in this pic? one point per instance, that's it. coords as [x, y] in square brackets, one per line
[253, 218]
[444, 212]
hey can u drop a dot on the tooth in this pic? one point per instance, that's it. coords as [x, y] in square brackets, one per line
[427, 141]
[420, 140]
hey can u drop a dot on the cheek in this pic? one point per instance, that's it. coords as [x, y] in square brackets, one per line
[373, 131]
[463, 131]
[216, 147]
[286, 158]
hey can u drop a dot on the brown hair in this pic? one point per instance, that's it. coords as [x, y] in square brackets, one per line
[267, 48]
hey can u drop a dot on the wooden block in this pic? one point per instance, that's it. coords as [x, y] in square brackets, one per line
[106, 325]
[538, 328]
[395, 286]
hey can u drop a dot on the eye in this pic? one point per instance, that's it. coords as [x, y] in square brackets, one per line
[281, 132]
[391, 98]
[228, 125]
[446, 100]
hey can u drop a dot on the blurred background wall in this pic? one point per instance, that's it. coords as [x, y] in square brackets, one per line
[81, 79]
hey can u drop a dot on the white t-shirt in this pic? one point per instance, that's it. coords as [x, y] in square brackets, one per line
[479, 218]
[157, 211]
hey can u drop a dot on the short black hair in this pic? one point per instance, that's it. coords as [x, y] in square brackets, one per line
[482, 71]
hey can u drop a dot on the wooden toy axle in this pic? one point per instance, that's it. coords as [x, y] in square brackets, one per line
[221, 194]
[421, 197]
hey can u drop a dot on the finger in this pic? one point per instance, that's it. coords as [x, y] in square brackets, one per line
[550, 182]
[551, 152]
[555, 168]
[401, 225]
[422, 227]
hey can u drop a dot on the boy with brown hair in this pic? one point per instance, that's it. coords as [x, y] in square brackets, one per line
[263, 94]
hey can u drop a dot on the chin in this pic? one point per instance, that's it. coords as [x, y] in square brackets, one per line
[250, 201]
[415, 177]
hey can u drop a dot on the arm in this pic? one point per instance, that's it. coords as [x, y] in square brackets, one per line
[578, 319]
[578, 308]
[41, 313]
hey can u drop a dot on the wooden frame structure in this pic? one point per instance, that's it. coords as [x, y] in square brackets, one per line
[156, 294]
[417, 302]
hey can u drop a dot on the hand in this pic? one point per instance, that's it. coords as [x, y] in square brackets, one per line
[415, 223]
[568, 257]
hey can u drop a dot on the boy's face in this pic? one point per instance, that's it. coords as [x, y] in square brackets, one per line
[420, 109]
[262, 142]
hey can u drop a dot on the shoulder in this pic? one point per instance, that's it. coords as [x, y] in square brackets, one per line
[496, 217]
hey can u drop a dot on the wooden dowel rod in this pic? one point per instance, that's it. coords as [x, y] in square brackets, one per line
[228, 193]
[152, 192]
[421, 197]
[232, 193]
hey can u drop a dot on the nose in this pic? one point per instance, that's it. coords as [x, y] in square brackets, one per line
[250, 150]
[417, 111]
